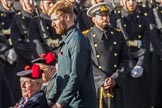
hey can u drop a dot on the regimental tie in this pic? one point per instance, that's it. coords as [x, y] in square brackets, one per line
[21, 104]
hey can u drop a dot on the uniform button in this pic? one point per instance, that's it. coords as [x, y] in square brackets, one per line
[112, 32]
[19, 39]
[47, 27]
[139, 36]
[115, 66]
[139, 25]
[143, 5]
[100, 67]
[115, 54]
[114, 42]
[23, 17]
[2, 23]
[25, 32]
[2, 14]
[125, 25]
[137, 16]
[95, 45]
[98, 56]
[122, 16]
[145, 14]
[118, 12]
[93, 35]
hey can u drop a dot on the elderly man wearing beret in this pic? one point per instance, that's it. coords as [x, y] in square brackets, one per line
[47, 63]
[32, 96]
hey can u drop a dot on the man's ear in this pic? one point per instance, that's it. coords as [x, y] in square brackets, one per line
[21, 2]
[66, 16]
[93, 19]
[121, 3]
[41, 4]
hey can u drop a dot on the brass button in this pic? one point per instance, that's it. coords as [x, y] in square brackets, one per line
[23, 17]
[139, 25]
[25, 32]
[125, 25]
[96, 45]
[2, 14]
[137, 16]
[145, 14]
[100, 67]
[112, 32]
[144, 5]
[47, 27]
[98, 56]
[93, 35]
[139, 36]
[115, 54]
[114, 42]
[118, 12]
[115, 66]
[2, 23]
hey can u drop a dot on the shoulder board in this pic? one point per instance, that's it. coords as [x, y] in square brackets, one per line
[85, 31]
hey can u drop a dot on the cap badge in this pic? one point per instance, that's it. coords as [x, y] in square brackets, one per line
[103, 8]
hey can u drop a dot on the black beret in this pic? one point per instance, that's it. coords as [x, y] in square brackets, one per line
[34, 73]
[48, 59]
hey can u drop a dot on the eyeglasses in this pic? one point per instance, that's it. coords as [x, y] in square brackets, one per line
[46, 69]
[27, 82]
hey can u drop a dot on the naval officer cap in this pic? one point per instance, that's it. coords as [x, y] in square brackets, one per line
[99, 9]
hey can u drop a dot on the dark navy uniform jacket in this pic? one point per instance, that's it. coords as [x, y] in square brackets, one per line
[136, 90]
[137, 27]
[156, 63]
[20, 44]
[74, 87]
[108, 51]
[5, 23]
[6, 96]
[35, 34]
[38, 100]
[6, 18]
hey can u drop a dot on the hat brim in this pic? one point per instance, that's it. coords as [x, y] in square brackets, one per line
[38, 60]
[25, 73]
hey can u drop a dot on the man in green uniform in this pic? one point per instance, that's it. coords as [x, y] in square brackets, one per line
[74, 87]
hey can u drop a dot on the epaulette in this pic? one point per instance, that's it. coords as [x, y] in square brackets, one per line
[85, 32]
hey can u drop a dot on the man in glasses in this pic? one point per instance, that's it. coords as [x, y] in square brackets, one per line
[30, 82]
